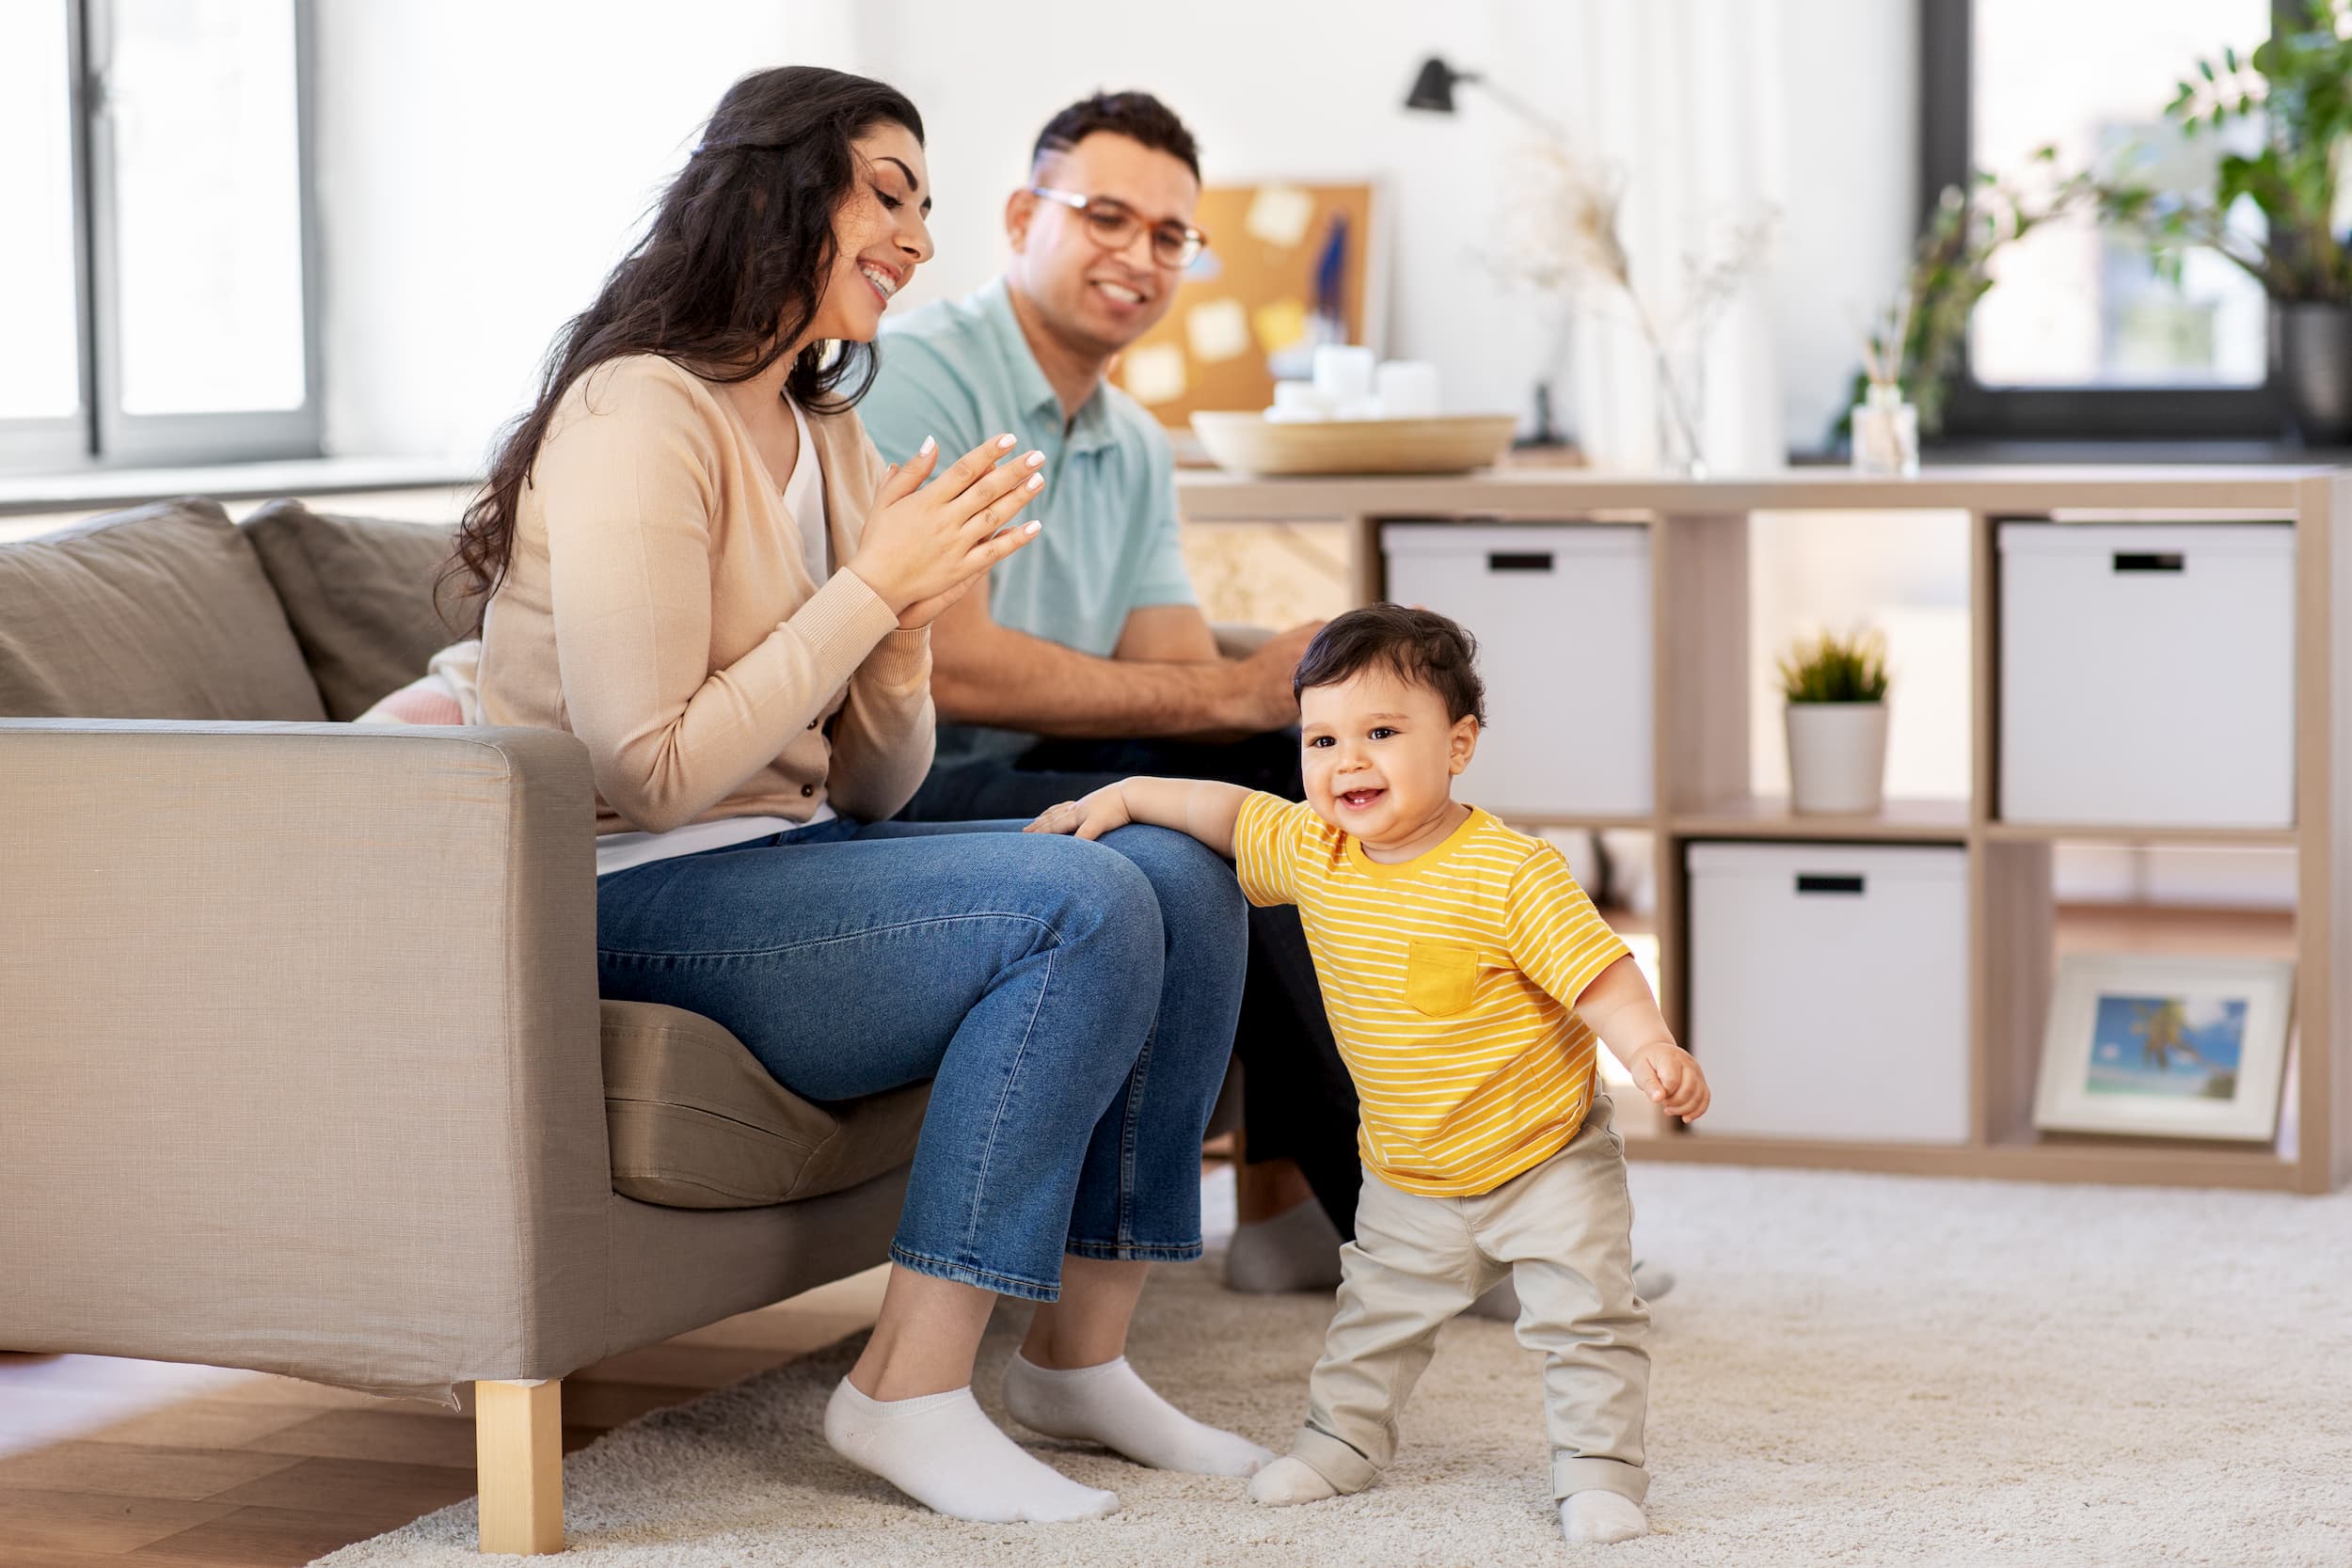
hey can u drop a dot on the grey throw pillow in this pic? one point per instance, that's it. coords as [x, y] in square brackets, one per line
[360, 593]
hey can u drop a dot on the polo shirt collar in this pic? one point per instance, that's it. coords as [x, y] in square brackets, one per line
[1092, 429]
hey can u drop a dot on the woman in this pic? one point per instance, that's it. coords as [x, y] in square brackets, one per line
[702, 568]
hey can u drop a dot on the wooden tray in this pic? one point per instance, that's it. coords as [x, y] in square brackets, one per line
[1449, 444]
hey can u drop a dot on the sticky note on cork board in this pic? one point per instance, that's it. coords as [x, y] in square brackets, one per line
[1278, 214]
[1154, 372]
[1280, 324]
[1218, 331]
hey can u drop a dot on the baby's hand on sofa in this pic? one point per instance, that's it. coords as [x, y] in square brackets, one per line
[1091, 817]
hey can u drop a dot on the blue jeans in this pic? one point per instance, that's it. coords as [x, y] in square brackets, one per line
[1073, 1004]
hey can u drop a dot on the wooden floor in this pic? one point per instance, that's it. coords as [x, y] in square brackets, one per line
[245, 1470]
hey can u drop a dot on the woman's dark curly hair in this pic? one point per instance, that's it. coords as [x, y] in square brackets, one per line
[729, 273]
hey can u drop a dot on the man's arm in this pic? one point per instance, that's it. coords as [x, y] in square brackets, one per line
[985, 673]
[1167, 634]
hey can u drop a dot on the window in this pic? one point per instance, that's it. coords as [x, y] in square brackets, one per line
[2079, 337]
[158, 292]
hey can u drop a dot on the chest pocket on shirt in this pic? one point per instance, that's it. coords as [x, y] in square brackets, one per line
[1439, 977]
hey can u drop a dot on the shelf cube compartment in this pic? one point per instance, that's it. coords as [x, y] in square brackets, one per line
[1561, 615]
[2147, 674]
[1829, 990]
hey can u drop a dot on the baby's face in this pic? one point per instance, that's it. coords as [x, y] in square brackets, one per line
[1380, 755]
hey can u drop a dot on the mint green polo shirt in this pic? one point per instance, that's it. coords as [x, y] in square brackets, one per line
[961, 370]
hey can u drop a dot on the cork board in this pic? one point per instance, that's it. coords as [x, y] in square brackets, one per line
[1287, 266]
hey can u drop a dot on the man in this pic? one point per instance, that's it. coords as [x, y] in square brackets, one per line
[1088, 659]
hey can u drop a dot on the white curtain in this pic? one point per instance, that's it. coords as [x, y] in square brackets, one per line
[1684, 102]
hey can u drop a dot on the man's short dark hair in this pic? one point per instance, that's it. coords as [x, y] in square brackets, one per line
[1417, 645]
[1138, 116]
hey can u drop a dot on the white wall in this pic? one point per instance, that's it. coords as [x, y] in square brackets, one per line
[1315, 92]
[483, 162]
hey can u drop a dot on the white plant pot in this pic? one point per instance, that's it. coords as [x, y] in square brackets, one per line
[1836, 757]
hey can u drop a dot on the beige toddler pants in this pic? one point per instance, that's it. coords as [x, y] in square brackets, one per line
[1562, 1232]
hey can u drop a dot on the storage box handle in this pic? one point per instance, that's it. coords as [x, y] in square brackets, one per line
[1519, 560]
[2150, 560]
[1816, 881]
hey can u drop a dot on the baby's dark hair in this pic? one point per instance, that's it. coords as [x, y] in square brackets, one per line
[1418, 645]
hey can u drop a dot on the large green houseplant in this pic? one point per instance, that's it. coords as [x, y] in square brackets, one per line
[2296, 88]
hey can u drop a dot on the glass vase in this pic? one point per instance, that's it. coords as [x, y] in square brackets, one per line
[1886, 432]
[1681, 394]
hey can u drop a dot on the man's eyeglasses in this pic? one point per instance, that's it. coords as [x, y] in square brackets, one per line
[1114, 226]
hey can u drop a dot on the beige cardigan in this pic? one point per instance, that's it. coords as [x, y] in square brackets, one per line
[657, 605]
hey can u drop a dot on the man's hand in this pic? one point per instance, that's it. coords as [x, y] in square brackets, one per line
[1669, 1076]
[1262, 700]
[1091, 817]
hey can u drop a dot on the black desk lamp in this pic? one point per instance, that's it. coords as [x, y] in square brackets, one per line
[1433, 91]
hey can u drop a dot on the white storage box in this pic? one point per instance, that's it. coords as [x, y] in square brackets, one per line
[2148, 675]
[1829, 990]
[1561, 615]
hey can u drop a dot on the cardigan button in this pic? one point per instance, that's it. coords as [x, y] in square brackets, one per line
[808, 789]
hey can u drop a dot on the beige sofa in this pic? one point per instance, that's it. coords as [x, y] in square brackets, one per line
[302, 1065]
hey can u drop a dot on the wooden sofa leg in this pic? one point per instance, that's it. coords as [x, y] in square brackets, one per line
[519, 1449]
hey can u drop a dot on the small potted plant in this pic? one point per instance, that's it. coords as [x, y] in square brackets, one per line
[1836, 692]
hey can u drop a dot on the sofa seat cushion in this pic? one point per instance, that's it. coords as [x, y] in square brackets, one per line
[162, 612]
[362, 595]
[696, 1122]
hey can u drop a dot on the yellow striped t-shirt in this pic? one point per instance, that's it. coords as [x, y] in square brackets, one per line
[1451, 981]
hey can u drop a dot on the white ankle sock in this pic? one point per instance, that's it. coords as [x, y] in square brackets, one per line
[1298, 1250]
[943, 1452]
[1601, 1517]
[1109, 1404]
[1289, 1481]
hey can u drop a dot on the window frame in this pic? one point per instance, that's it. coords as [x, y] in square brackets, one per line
[100, 434]
[1974, 411]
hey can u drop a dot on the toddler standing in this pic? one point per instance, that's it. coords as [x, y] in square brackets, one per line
[1467, 977]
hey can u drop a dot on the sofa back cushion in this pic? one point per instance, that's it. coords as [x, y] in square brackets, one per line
[360, 595]
[162, 612]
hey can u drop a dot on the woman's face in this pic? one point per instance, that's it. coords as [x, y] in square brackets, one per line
[878, 233]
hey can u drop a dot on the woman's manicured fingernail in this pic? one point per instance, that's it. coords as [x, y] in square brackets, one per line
[925, 449]
[1033, 528]
[1036, 482]
[1005, 441]
[1035, 459]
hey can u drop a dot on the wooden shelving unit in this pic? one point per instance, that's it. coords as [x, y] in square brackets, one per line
[1704, 686]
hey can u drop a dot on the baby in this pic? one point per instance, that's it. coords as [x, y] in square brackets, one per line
[1466, 976]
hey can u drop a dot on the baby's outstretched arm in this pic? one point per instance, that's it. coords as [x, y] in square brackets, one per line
[1619, 1007]
[1202, 807]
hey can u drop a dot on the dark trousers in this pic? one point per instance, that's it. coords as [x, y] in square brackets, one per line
[1298, 1101]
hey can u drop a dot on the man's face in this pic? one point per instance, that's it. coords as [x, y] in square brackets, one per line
[1089, 295]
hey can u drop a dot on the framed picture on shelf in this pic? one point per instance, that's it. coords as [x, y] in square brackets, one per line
[2185, 1048]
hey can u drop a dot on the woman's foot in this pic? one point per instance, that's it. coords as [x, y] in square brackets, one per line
[1598, 1518]
[1109, 1404]
[1289, 1481]
[943, 1452]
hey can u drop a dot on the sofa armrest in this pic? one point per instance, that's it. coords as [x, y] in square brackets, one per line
[299, 1067]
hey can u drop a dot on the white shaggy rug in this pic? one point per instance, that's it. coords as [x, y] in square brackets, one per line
[1855, 1370]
